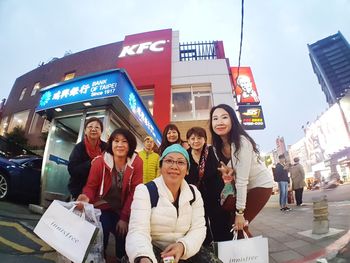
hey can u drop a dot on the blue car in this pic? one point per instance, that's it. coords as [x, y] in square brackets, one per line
[20, 178]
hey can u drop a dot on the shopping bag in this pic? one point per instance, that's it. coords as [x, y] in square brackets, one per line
[95, 253]
[66, 232]
[290, 197]
[247, 250]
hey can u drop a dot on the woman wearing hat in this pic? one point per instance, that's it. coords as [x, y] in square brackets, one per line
[175, 226]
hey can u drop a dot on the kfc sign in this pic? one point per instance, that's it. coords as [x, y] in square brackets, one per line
[138, 49]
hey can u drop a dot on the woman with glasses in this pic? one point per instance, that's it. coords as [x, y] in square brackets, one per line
[83, 153]
[175, 225]
[171, 135]
[111, 185]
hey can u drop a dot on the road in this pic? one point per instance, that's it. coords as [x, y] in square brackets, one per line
[340, 193]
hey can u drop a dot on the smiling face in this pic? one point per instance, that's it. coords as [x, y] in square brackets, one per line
[172, 136]
[221, 122]
[93, 130]
[196, 142]
[120, 146]
[174, 169]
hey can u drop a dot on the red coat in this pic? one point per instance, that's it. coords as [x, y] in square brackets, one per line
[101, 170]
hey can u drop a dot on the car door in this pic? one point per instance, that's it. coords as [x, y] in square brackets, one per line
[30, 177]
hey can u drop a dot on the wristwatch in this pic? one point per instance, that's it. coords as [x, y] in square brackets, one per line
[240, 211]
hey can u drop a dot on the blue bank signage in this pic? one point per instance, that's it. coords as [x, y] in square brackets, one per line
[110, 84]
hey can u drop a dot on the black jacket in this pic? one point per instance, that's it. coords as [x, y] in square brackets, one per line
[281, 175]
[79, 168]
[210, 188]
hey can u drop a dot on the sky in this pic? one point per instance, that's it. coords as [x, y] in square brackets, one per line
[276, 34]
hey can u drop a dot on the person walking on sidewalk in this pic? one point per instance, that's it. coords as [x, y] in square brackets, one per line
[281, 176]
[297, 175]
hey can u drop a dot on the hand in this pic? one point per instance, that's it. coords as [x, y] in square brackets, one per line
[227, 173]
[176, 250]
[122, 228]
[82, 198]
[240, 222]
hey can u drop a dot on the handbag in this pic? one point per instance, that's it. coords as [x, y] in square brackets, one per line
[247, 250]
[290, 197]
[66, 232]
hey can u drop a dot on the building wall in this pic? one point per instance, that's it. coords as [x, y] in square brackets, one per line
[82, 63]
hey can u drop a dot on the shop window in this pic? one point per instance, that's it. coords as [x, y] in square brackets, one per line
[19, 119]
[191, 103]
[35, 122]
[3, 125]
[69, 75]
[22, 94]
[147, 97]
[35, 88]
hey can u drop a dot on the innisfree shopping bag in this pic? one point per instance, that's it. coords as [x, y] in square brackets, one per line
[247, 250]
[66, 232]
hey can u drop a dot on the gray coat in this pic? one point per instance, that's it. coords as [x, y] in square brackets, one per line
[298, 176]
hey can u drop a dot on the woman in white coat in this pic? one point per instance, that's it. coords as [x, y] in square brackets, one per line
[175, 225]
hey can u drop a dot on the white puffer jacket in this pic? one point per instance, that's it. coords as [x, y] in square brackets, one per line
[163, 225]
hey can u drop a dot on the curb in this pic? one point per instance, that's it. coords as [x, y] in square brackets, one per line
[328, 252]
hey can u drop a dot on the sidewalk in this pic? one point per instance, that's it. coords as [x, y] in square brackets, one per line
[288, 233]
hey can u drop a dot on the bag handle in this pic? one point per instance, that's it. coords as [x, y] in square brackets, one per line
[235, 234]
[82, 212]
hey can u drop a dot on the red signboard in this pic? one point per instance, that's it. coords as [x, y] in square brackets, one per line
[244, 85]
[147, 59]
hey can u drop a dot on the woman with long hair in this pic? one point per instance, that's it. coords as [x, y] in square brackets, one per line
[171, 135]
[111, 184]
[236, 151]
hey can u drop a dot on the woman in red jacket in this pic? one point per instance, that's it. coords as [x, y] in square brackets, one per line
[111, 184]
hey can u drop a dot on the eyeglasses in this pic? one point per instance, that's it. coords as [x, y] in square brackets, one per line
[179, 163]
[93, 127]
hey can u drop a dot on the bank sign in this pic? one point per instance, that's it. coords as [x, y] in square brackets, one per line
[252, 117]
[113, 83]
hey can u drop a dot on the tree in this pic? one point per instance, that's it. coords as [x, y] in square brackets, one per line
[17, 135]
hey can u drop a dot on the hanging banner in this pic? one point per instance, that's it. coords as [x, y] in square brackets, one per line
[252, 117]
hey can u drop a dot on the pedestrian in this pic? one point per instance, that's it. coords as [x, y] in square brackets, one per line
[281, 176]
[83, 153]
[175, 225]
[171, 135]
[297, 175]
[111, 184]
[150, 160]
[236, 152]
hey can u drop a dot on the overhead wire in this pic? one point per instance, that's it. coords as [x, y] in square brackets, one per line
[241, 40]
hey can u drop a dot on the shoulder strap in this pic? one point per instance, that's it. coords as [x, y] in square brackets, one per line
[153, 193]
[194, 195]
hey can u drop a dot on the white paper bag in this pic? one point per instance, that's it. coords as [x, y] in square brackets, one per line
[249, 250]
[66, 232]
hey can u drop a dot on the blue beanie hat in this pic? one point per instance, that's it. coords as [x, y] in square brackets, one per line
[178, 149]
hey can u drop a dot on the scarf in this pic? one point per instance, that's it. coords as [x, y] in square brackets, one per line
[202, 161]
[92, 151]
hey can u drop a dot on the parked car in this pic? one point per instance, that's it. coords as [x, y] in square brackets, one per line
[20, 178]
